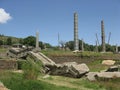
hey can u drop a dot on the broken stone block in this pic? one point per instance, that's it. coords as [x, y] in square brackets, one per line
[82, 69]
[113, 68]
[91, 76]
[107, 75]
[108, 62]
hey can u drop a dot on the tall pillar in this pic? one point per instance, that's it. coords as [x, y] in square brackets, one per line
[82, 45]
[96, 47]
[37, 39]
[116, 48]
[103, 36]
[76, 39]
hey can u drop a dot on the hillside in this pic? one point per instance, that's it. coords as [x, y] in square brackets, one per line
[4, 39]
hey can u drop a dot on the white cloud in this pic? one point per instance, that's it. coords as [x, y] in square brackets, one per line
[4, 16]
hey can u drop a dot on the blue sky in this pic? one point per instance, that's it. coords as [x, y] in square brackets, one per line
[51, 17]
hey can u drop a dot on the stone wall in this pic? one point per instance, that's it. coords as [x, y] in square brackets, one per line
[8, 64]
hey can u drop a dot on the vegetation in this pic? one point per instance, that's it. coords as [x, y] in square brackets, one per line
[15, 81]
[78, 84]
[31, 69]
[96, 66]
[32, 79]
[30, 41]
[87, 47]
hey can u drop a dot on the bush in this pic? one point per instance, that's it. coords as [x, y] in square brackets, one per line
[20, 63]
[31, 70]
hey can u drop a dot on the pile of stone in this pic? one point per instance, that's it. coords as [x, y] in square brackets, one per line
[70, 69]
[111, 73]
[73, 69]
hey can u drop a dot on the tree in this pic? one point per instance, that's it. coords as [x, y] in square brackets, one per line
[87, 47]
[9, 41]
[70, 44]
[30, 41]
[41, 45]
[110, 48]
[47, 45]
[1, 42]
[21, 41]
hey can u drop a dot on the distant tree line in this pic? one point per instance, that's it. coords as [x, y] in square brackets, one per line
[87, 47]
[31, 41]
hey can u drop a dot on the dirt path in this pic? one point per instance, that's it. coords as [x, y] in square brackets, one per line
[64, 81]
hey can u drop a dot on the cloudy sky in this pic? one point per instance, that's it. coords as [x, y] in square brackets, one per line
[21, 18]
[4, 16]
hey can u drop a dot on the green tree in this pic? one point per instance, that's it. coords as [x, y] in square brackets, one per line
[30, 41]
[41, 45]
[21, 41]
[1, 42]
[110, 48]
[9, 41]
[70, 44]
[48, 45]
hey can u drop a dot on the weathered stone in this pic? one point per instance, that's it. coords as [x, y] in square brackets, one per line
[46, 76]
[8, 64]
[91, 76]
[108, 62]
[69, 63]
[113, 68]
[76, 39]
[82, 69]
[71, 69]
[2, 87]
[76, 51]
[107, 75]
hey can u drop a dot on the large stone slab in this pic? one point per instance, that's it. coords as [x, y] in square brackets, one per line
[107, 75]
[113, 68]
[81, 69]
[108, 62]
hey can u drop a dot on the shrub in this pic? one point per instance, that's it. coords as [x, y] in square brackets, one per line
[31, 70]
[20, 63]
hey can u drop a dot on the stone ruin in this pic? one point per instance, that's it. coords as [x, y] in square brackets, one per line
[71, 69]
[18, 51]
[75, 70]
[8, 64]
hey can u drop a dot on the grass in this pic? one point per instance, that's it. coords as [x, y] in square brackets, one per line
[3, 50]
[70, 53]
[15, 81]
[57, 53]
[78, 84]
[96, 66]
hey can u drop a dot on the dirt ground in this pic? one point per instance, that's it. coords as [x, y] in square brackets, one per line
[78, 59]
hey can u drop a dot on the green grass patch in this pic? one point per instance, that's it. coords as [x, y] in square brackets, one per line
[88, 84]
[15, 81]
[57, 53]
[3, 50]
[96, 66]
